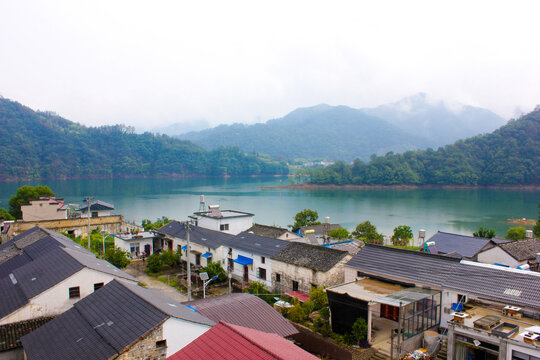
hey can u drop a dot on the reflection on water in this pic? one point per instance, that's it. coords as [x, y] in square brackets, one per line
[460, 211]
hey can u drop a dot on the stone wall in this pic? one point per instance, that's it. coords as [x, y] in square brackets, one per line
[146, 348]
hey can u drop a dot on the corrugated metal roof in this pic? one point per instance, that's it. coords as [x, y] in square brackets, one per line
[259, 245]
[228, 342]
[198, 235]
[313, 257]
[245, 310]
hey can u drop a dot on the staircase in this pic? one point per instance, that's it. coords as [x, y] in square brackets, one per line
[441, 355]
[380, 355]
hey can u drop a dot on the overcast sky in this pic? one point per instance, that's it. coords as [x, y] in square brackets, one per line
[151, 63]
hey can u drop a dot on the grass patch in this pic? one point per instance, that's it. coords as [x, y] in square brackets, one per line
[407, 247]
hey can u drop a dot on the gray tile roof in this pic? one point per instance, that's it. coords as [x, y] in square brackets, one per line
[444, 272]
[198, 235]
[103, 324]
[466, 246]
[16, 262]
[10, 334]
[313, 257]
[266, 230]
[97, 205]
[12, 297]
[92, 262]
[244, 309]
[522, 250]
[255, 244]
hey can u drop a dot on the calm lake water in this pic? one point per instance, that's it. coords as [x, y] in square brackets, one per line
[459, 211]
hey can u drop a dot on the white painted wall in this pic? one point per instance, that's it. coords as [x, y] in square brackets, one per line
[238, 271]
[100, 213]
[217, 254]
[55, 300]
[180, 333]
[499, 256]
[126, 244]
[236, 224]
[523, 348]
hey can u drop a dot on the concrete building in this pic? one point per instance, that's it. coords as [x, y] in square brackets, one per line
[136, 244]
[461, 246]
[98, 208]
[46, 208]
[228, 221]
[121, 321]
[274, 232]
[515, 254]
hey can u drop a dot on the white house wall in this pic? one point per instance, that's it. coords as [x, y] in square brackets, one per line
[55, 300]
[126, 244]
[236, 224]
[238, 271]
[180, 333]
[496, 255]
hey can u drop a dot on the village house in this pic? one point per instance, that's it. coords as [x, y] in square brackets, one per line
[274, 232]
[145, 242]
[523, 254]
[228, 221]
[123, 321]
[227, 341]
[45, 208]
[98, 208]
[299, 267]
[408, 292]
[461, 246]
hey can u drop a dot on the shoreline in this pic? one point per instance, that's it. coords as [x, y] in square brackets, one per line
[305, 186]
[172, 176]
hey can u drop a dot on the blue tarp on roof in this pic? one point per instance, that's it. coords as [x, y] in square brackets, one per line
[242, 260]
[206, 255]
[184, 247]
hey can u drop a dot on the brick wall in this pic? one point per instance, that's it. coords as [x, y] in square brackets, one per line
[146, 348]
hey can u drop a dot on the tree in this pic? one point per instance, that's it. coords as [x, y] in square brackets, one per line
[213, 269]
[318, 297]
[339, 233]
[536, 228]
[117, 257]
[516, 233]
[367, 232]
[170, 258]
[5, 215]
[149, 225]
[155, 263]
[484, 233]
[305, 217]
[402, 235]
[24, 195]
[359, 330]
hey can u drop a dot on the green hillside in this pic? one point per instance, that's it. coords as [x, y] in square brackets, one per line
[508, 156]
[42, 145]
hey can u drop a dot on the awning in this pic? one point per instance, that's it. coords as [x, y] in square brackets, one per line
[184, 247]
[299, 295]
[242, 260]
[206, 255]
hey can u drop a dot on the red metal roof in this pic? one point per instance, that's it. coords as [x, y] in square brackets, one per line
[303, 297]
[244, 309]
[228, 342]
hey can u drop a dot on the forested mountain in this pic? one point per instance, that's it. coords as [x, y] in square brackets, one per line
[319, 132]
[43, 145]
[507, 156]
[343, 133]
[435, 120]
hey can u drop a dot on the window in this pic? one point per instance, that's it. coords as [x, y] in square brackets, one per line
[94, 214]
[461, 298]
[262, 273]
[517, 355]
[74, 292]
[134, 249]
[224, 227]
[98, 286]
[295, 285]
[278, 277]
[263, 259]
[358, 274]
[197, 259]
[161, 343]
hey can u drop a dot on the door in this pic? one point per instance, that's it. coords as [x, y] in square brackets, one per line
[147, 249]
[246, 273]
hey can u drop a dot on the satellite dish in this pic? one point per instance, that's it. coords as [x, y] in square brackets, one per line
[204, 276]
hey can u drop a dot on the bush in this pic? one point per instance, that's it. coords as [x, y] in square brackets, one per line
[318, 297]
[325, 313]
[339, 233]
[213, 269]
[155, 263]
[308, 306]
[322, 326]
[359, 330]
[516, 233]
[402, 235]
[117, 257]
[169, 258]
[258, 288]
[367, 232]
[298, 314]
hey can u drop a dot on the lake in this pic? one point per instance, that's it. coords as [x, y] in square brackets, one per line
[459, 211]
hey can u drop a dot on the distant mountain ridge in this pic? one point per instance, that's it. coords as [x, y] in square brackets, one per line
[344, 133]
[42, 145]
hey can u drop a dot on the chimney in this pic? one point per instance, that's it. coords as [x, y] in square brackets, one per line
[528, 234]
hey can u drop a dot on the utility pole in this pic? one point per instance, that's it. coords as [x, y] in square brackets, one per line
[188, 250]
[88, 212]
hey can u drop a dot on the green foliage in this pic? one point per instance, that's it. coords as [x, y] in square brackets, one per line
[117, 257]
[5, 215]
[359, 330]
[507, 156]
[401, 236]
[213, 269]
[149, 225]
[322, 326]
[170, 258]
[258, 288]
[325, 313]
[536, 228]
[298, 314]
[24, 195]
[46, 146]
[305, 217]
[154, 263]
[516, 233]
[484, 233]
[339, 233]
[319, 297]
[367, 232]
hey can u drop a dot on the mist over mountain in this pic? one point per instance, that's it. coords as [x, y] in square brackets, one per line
[436, 120]
[180, 128]
[318, 132]
[344, 133]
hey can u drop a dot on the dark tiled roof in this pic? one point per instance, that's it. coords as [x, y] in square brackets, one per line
[97, 205]
[67, 337]
[466, 246]
[266, 230]
[16, 262]
[245, 310]
[198, 235]
[229, 342]
[12, 297]
[443, 272]
[313, 257]
[321, 229]
[255, 244]
[522, 250]
[10, 334]
[91, 262]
